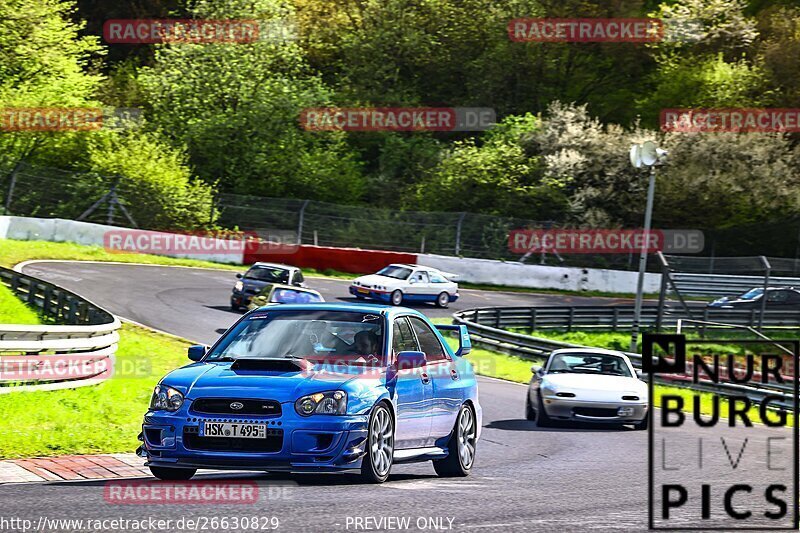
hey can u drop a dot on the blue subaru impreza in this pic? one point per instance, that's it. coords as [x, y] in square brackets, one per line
[320, 388]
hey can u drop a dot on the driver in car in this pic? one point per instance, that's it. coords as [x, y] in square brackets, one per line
[366, 344]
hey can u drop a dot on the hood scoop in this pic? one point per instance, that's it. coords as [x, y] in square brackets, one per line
[273, 364]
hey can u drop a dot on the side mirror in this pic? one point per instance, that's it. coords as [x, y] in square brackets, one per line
[410, 359]
[640, 375]
[239, 275]
[412, 281]
[197, 352]
[538, 370]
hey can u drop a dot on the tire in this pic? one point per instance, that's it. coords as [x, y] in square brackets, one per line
[461, 448]
[397, 297]
[530, 413]
[377, 462]
[641, 426]
[443, 300]
[542, 419]
[172, 474]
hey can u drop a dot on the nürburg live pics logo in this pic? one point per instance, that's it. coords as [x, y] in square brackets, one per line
[723, 442]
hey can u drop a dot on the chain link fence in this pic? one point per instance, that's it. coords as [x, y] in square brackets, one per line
[116, 200]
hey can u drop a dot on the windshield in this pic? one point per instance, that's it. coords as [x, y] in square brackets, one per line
[752, 294]
[293, 296]
[610, 365]
[395, 272]
[273, 274]
[339, 337]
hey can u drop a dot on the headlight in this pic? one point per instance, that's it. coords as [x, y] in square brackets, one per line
[548, 391]
[239, 286]
[166, 399]
[322, 403]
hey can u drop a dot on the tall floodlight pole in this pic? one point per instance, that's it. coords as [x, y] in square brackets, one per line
[649, 155]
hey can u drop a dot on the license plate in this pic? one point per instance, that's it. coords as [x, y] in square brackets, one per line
[233, 429]
[362, 290]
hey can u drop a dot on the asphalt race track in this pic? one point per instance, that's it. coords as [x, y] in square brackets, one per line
[524, 479]
[194, 303]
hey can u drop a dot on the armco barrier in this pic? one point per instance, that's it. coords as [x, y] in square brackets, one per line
[343, 259]
[618, 317]
[77, 349]
[486, 325]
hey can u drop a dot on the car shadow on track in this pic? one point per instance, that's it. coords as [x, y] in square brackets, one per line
[260, 478]
[224, 308]
[520, 424]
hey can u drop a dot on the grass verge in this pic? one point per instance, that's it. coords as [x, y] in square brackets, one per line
[104, 418]
[13, 311]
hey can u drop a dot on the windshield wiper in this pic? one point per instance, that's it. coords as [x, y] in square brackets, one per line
[225, 359]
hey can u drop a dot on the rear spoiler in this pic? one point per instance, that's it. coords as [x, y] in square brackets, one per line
[464, 344]
[449, 275]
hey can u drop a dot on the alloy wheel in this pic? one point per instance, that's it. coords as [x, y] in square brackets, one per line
[382, 442]
[466, 438]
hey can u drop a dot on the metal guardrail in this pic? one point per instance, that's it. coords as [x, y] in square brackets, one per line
[81, 332]
[617, 318]
[725, 285]
[486, 326]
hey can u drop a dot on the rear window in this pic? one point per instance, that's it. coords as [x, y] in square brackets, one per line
[290, 296]
[270, 274]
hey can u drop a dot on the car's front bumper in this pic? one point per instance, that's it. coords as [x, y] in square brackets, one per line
[317, 443]
[594, 412]
[384, 296]
[241, 298]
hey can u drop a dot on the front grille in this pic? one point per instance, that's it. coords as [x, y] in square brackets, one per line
[222, 406]
[271, 444]
[594, 411]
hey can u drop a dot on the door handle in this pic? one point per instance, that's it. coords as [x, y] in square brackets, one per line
[454, 374]
[425, 378]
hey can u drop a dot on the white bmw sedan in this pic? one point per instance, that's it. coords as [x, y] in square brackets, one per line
[587, 385]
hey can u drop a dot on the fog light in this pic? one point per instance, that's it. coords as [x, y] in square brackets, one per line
[625, 411]
[307, 407]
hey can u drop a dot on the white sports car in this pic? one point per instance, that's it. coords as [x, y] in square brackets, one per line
[587, 385]
[398, 283]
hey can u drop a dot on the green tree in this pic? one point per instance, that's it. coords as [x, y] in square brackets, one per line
[44, 62]
[495, 177]
[236, 108]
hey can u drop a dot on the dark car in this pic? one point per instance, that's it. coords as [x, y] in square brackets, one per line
[258, 276]
[777, 297]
